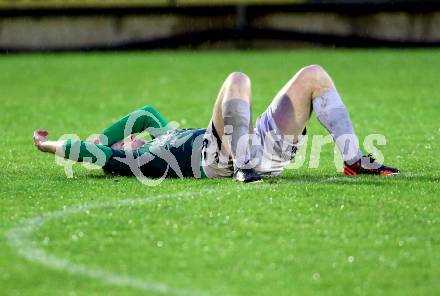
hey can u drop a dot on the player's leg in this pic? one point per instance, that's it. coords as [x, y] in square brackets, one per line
[285, 119]
[292, 106]
[232, 121]
[234, 97]
[312, 88]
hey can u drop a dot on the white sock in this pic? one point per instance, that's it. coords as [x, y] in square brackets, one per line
[333, 115]
[236, 116]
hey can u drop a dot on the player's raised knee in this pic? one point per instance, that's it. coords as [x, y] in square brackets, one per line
[316, 77]
[239, 78]
[313, 71]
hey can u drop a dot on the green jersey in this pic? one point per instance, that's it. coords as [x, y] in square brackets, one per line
[176, 153]
[171, 153]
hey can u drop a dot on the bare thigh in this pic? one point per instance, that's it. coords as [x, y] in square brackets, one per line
[292, 106]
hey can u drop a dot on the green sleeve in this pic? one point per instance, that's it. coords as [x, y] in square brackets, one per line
[141, 119]
[81, 151]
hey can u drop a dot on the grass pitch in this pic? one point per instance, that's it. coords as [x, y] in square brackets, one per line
[308, 232]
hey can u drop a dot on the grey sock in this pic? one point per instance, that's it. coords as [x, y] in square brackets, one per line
[333, 115]
[236, 116]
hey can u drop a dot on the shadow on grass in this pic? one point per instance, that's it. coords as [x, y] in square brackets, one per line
[321, 179]
[359, 180]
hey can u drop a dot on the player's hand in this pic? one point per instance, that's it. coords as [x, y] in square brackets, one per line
[40, 136]
[129, 143]
[134, 143]
[118, 145]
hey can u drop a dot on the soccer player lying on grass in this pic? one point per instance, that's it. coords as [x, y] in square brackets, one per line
[230, 146]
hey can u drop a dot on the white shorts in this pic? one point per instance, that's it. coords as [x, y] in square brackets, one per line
[271, 150]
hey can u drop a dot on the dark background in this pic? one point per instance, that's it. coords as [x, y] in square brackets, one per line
[38, 25]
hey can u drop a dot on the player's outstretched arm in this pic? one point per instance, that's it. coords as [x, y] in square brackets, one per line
[75, 150]
[146, 118]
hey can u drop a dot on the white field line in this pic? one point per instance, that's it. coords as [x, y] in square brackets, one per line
[20, 238]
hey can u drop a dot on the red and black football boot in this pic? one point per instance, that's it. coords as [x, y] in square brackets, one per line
[367, 165]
